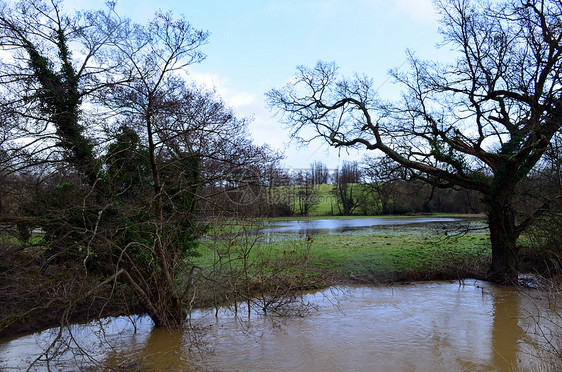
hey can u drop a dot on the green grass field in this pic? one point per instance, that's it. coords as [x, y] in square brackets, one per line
[326, 205]
[376, 258]
[401, 257]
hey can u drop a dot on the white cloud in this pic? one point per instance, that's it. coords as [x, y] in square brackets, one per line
[220, 85]
[209, 80]
[240, 99]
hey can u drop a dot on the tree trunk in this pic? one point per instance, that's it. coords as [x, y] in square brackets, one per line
[503, 236]
[164, 310]
[169, 309]
[172, 315]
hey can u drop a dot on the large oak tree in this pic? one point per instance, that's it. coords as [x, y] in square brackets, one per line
[481, 123]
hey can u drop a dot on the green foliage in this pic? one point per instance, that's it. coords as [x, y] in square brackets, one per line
[64, 213]
[60, 99]
[128, 166]
[129, 188]
[130, 181]
[185, 191]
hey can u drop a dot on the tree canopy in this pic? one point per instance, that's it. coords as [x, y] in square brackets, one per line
[113, 144]
[481, 123]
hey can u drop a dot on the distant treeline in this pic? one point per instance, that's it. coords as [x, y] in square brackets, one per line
[348, 190]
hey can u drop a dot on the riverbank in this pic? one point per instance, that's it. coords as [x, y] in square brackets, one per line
[240, 265]
[36, 297]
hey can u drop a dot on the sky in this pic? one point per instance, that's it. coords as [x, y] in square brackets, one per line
[256, 45]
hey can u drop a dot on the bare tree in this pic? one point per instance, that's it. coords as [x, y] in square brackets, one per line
[45, 83]
[151, 100]
[277, 191]
[117, 144]
[481, 123]
[320, 173]
[346, 187]
[382, 178]
[306, 194]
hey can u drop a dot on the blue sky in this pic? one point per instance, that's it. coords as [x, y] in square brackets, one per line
[255, 45]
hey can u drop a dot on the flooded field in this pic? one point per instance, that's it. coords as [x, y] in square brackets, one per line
[374, 225]
[434, 326]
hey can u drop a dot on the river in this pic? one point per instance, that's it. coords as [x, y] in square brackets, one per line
[430, 326]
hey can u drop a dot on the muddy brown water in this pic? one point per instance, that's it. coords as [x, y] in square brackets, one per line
[435, 326]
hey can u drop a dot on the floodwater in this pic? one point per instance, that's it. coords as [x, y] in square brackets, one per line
[352, 224]
[432, 326]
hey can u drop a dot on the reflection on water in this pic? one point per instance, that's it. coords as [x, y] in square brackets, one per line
[340, 225]
[424, 327]
[373, 225]
[153, 349]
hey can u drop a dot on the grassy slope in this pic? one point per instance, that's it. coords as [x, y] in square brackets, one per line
[326, 205]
